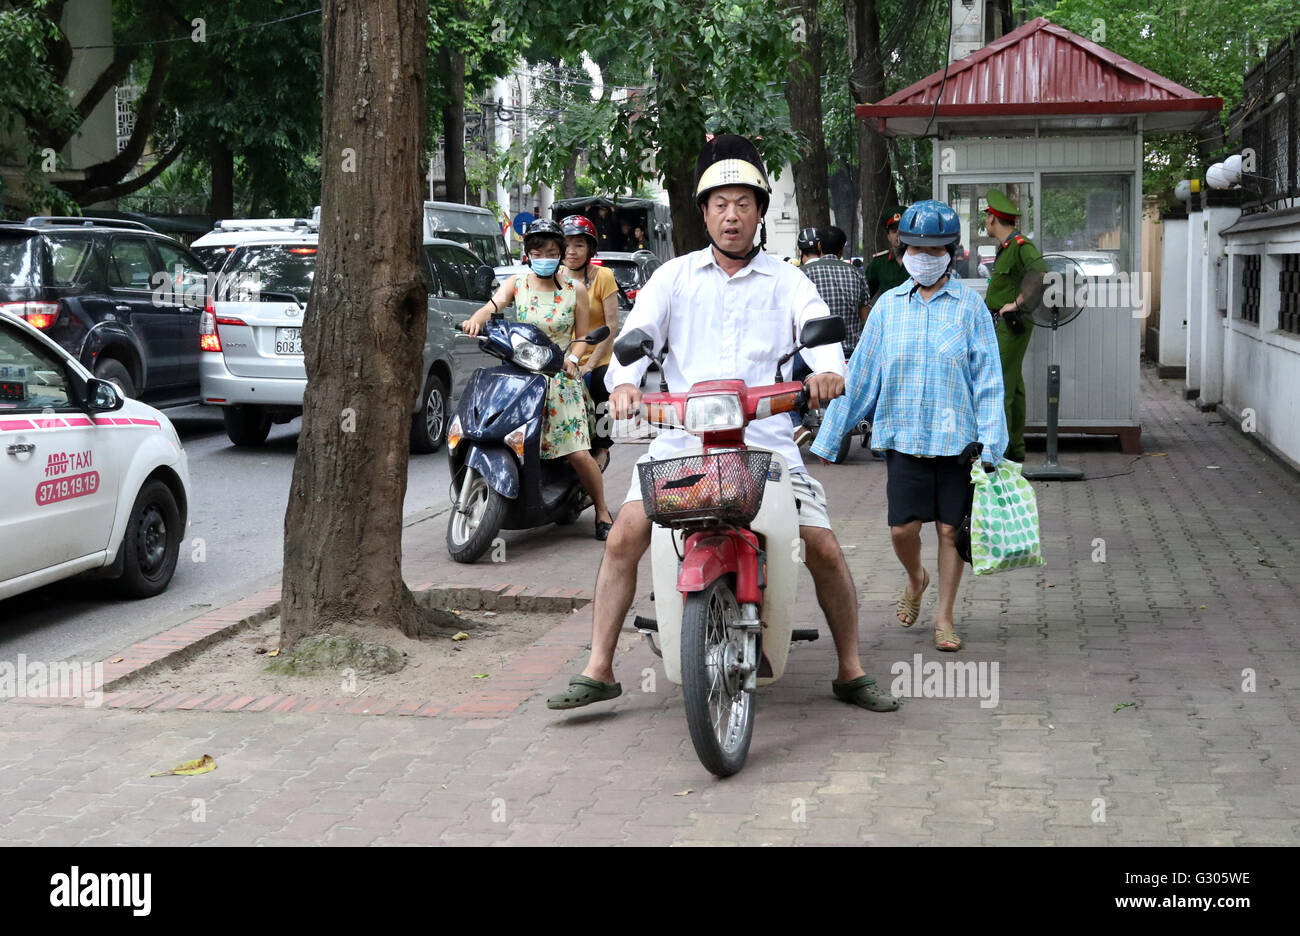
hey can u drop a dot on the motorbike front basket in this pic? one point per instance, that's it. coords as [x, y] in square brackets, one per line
[715, 487]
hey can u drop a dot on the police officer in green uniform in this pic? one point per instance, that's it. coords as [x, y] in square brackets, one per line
[1015, 284]
[886, 268]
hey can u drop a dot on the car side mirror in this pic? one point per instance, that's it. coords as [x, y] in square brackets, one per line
[828, 329]
[482, 284]
[632, 346]
[102, 396]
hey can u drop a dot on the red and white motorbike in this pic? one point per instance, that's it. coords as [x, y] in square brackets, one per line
[724, 548]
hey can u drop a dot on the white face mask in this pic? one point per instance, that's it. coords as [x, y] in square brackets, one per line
[925, 268]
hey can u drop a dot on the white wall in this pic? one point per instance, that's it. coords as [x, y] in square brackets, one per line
[782, 216]
[1261, 364]
[1173, 295]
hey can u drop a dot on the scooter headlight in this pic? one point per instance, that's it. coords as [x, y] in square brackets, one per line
[717, 411]
[528, 354]
[454, 433]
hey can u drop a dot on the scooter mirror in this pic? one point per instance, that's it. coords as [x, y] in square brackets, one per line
[632, 346]
[597, 336]
[822, 331]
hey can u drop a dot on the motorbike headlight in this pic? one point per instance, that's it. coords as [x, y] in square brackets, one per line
[714, 412]
[529, 355]
[454, 433]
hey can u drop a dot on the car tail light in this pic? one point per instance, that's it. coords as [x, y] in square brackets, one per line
[596, 262]
[631, 294]
[302, 250]
[37, 314]
[209, 338]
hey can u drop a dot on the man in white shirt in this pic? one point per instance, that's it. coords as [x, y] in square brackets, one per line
[727, 312]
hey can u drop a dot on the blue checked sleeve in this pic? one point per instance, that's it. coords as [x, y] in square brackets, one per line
[861, 391]
[986, 385]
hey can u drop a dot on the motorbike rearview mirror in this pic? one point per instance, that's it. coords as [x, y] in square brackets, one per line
[828, 329]
[597, 336]
[633, 345]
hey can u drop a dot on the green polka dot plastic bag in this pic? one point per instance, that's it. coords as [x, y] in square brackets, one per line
[1003, 520]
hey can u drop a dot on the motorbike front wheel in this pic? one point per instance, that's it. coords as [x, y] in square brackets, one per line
[470, 532]
[719, 712]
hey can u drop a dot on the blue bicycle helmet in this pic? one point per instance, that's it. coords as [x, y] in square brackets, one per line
[929, 223]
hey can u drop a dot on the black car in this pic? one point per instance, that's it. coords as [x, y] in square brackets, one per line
[631, 271]
[117, 295]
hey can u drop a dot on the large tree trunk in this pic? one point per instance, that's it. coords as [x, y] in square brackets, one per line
[803, 92]
[688, 223]
[221, 162]
[844, 202]
[364, 328]
[867, 84]
[569, 183]
[452, 66]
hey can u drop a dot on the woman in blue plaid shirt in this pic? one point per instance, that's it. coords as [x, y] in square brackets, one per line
[927, 373]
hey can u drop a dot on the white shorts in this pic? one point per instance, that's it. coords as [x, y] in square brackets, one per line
[809, 496]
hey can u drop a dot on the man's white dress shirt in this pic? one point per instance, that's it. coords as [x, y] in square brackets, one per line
[721, 327]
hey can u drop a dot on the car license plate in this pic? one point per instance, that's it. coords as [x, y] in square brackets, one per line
[288, 341]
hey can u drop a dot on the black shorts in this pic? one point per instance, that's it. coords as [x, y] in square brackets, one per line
[927, 489]
[601, 437]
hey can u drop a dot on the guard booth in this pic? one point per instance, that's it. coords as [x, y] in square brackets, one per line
[1057, 123]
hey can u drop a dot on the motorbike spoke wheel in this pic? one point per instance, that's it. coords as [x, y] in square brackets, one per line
[719, 712]
[470, 531]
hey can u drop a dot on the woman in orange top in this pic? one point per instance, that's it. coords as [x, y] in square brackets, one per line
[579, 250]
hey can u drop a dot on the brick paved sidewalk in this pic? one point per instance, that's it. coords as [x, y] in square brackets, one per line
[1192, 617]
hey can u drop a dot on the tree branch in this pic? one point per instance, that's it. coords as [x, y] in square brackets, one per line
[89, 196]
[110, 171]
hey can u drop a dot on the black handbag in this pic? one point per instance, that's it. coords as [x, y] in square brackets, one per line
[970, 455]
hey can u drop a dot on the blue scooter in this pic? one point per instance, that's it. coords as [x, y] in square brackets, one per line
[499, 481]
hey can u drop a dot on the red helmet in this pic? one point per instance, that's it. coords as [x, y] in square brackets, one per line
[575, 225]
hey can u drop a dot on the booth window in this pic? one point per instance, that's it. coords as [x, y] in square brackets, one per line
[976, 251]
[1288, 288]
[1250, 266]
[1089, 217]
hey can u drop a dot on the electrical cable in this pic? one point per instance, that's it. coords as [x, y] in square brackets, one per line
[188, 38]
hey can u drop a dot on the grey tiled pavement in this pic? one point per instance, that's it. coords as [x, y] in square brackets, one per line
[1174, 620]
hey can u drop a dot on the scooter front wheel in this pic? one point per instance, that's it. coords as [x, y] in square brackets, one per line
[719, 712]
[475, 519]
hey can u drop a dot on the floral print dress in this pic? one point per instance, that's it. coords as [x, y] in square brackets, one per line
[565, 426]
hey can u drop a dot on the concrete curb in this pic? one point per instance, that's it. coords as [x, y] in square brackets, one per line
[529, 670]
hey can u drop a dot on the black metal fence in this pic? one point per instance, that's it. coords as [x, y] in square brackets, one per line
[1267, 123]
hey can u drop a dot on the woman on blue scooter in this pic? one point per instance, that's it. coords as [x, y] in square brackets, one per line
[558, 306]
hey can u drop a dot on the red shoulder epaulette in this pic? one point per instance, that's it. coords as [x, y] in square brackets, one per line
[1020, 239]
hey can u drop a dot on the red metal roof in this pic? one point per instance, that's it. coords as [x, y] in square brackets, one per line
[1039, 69]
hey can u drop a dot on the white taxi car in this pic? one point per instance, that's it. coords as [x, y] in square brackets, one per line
[90, 480]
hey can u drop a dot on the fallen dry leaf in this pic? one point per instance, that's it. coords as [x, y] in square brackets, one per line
[188, 769]
[1156, 454]
[461, 636]
[684, 793]
[479, 676]
[1265, 562]
[275, 652]
[118, 660]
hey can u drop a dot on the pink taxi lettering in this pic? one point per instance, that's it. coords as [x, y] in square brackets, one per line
[78, 485]
[62, 462]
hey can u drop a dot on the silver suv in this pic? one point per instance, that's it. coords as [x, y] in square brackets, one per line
[253, 366]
